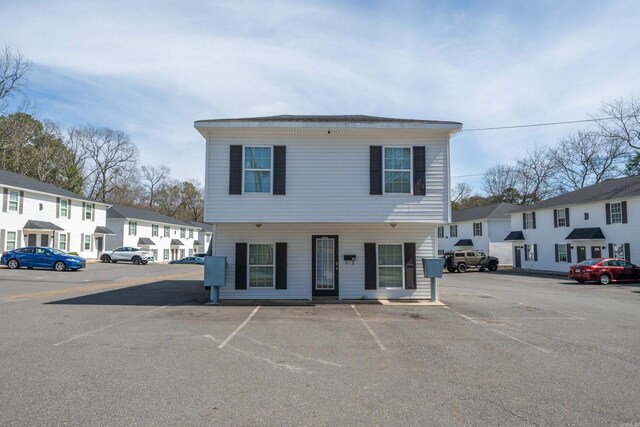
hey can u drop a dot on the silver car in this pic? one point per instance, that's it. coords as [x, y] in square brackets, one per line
[127, 254]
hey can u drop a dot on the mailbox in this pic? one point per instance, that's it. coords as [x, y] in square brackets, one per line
[215, 270]
[433, 267]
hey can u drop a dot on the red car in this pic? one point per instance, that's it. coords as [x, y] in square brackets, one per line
[604, 271]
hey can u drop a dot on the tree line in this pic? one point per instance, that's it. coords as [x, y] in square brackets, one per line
[610, 148]
[98, 162]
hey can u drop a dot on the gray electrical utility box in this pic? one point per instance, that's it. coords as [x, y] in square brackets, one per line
[433, 267]
[215, 270]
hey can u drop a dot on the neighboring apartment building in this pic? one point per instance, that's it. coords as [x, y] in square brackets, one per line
[339, 206]
[602, 220]
[35, 213]
[168, 238]
[205, 235]
[482, 228]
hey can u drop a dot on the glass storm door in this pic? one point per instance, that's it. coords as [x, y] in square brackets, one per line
[325, 265]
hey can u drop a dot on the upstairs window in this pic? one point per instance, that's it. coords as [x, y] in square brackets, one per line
[453, 230]
[14, 196]
[562, 218]
[528, 220]
[64, 209]
[167, 231]
[477, 229]
[397, 170]
[616, 213]
[191, 233]
[257, 169]
[154, 230]
[133, 228]
[88, 212]
[182, 232]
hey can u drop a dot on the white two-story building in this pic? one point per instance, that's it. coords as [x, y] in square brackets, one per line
[340, 206]
[205, 235]
[168, 238]
[35, 213]
[481, 228]
[602, 220]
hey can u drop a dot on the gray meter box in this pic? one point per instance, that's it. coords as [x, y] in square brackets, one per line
[215, 270]
[433, 267]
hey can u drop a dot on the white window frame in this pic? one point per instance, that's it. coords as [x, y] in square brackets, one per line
[385, 170]
[618, 248]
[566, 252]
[616, 217]
[165, 254]
[86, 245]
[10, 194]
[378, 265]
[183, 232]
[440, 252]
[154, 230]
[530, 254]
[528, 220]
[167, 231]
[181, 253]
[62, 241]
[453, 230]
[64, 208]
[14, 241]
[440, 232]
[191, 233]
[155, 254]
[190, 252]
[562, 217]
[245, 170]
[134, 225]
[88, 209]
[477, 231]
[273, 266]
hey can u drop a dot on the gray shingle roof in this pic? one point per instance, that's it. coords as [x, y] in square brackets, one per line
[41, 225]
[608, 190]
[13, 179]
[129, 212]
[464, 242]
[356, 118]
[145, 241]
[176, 242]
[515, 235]
[495, 211]
[202, 225]
[594, 233]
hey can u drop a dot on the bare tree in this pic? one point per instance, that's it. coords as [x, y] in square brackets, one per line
[109, 156]
[152, 178]
[500, 183]
[460, 191]
[620, 121]
[586, 158]
[13, 76]
[536, 170]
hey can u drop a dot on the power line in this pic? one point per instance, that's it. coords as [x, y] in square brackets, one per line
[567, 122]
[465, 176]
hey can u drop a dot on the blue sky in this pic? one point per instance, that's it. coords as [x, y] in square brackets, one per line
[153, 67]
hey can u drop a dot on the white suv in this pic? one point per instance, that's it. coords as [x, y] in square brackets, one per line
[127, 253]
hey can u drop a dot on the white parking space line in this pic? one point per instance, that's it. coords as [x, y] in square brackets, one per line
[233, 334]
[477, 322]
[298, 355]
[486, 294]
[366, 325]
[109, 326]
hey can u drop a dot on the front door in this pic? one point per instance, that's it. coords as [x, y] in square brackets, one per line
[582, 253]
[596, 252]
[325, 265]
[44, 240]
[99, 244]
[32, 240]
[518, 257]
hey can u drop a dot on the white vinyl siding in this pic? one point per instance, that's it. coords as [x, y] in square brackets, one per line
[14, 198]
[258, 164]
[261, 265]
[397, 170]
[390, 266]
[328, 181]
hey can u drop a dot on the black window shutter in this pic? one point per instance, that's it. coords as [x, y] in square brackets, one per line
[627, 252]
[57, 207]
[535, 251]
[533, 218]
[566, 215]
[5, 192]
[21, 204]
[610, 250]
[480, 234]
[281, 266]
[555, 218]
[607, 207]
[524, 221]
[410, 266]
[568, 252]
[370, 266]
[624, 212]
[375, 170]
[557, 254]
[526, 252]
[84, 205]
[279, 170]
[241, 266]
[419, 169]
[235, 169]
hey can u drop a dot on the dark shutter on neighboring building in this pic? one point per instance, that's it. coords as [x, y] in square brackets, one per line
[370, 266]
[555, 218]
[607, 207]
[419, 168]
[557, 254]
[235, 170]
[566, 216]
[241, 266]
[69, 209]
[21, 205]
[375, 170]
[524, 221]
[624, 212]
[610, 250]
[281, 266]
[526, 252]
[535, 251]
[533, 219]
[568, 252]
[410, 266]
[480, 234]
[5, 197]
[627, 252]
[279, 170]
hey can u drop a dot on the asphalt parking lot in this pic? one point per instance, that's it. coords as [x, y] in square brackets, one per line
[134, 345]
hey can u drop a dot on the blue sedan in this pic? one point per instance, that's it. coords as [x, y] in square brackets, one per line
[189, 260]
[42, 257]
